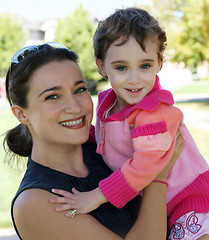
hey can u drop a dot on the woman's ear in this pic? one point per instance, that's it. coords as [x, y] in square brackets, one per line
[100, 66]
[19, 114]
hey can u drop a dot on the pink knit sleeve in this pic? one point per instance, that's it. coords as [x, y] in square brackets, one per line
[154, 138]
[116, 189]
[136, 173]
[153, 147]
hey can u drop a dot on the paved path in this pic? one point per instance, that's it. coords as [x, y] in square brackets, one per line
[8, 234]
[193, 117]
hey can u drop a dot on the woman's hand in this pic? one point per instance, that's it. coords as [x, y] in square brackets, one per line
[177, 151]
[82, 202]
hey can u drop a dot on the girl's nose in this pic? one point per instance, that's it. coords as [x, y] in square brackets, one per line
[133, 77]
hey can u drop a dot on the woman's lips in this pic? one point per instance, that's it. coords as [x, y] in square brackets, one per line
[75, 123]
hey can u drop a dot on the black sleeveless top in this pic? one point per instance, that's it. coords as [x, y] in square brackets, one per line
[38, 176]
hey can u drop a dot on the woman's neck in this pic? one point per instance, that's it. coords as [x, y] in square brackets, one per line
[66, 159]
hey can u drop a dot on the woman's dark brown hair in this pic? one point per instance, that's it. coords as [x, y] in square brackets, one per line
[18, 141]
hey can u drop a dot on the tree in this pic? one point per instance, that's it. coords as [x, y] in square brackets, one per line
[12, 38]
[192, 45]
[76, 32]
[186, 24]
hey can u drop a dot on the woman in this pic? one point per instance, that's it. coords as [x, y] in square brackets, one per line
[48, 95]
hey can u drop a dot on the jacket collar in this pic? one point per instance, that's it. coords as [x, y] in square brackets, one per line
[157, 96]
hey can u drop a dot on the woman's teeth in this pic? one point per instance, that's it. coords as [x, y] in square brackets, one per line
[72, 123]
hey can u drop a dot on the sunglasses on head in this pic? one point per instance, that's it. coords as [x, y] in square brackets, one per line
[19, 55]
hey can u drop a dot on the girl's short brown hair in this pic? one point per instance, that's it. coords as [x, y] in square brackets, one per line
[124, 23]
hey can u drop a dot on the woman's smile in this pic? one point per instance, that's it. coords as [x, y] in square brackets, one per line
[74, 123]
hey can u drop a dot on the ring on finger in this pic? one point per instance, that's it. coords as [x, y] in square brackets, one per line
[73, 213]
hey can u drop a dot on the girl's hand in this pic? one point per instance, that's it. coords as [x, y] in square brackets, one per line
[83, 202]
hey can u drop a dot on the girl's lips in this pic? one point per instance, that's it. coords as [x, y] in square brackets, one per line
[134, 90]
[75, 123]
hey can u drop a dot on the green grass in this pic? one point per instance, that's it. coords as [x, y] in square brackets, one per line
[194, 87]
[9, 177]
[201, 138]
[203, 106]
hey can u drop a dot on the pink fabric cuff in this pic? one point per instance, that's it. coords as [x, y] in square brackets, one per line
[149, 129]
[116, 189]
[194, 197]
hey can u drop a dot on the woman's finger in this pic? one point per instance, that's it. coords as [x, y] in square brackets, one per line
[74, 190]
[65, 207]
[61, 200]
[62, 192]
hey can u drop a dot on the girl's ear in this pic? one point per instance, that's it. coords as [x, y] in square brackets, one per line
[160, 64]
[100, 66]
[19, 114]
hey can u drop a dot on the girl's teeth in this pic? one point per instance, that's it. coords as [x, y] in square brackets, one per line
[134, 90]
[72, 123]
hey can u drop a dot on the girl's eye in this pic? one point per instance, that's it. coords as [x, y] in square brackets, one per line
[121, 68]
[80, 90]
[51, 97]
[145, 66]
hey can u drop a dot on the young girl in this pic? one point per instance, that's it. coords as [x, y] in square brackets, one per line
[137, 124]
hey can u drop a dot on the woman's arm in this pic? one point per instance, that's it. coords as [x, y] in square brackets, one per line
[36, 219]
[152, 219]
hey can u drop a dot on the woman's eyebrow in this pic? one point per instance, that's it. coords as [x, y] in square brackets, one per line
[79, 82]
[59, 87]
[50, 89]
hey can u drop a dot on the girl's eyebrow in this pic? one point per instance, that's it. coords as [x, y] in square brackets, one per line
[141, 60]
[148, 60]
[60, 87]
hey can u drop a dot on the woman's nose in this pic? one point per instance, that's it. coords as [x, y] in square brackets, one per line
[72, 105]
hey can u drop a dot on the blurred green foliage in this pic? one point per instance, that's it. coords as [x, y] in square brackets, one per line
[186, 24]
[185, 21]
[76, 32]
[12, 38]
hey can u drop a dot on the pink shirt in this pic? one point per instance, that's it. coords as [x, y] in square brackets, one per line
[137, 143]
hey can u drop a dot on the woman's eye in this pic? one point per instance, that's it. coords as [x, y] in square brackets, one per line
[51, 97]
[121, 68]
[80, 90]
[145, 66]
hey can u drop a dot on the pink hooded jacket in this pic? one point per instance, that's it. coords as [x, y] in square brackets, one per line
[137, 143]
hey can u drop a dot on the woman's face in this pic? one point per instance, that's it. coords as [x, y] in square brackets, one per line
[59, 106]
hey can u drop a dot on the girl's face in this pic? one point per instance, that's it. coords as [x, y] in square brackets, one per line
[59, 106]
[130, 70]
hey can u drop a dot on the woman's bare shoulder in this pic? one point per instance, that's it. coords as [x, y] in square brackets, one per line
[36, 218]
